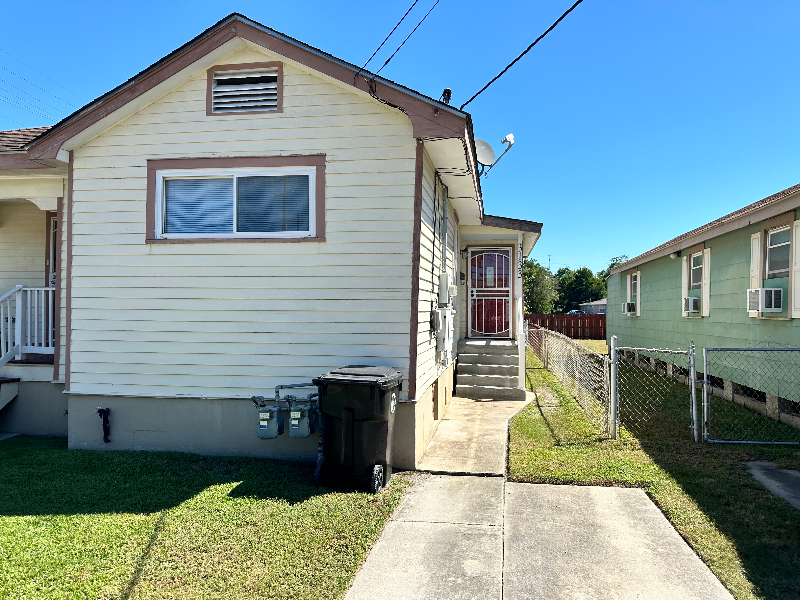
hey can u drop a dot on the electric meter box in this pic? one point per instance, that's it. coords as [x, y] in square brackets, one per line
[270, 420]
[445, 285]
[302, 420]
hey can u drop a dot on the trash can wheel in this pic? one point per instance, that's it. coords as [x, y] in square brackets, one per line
[376, 483]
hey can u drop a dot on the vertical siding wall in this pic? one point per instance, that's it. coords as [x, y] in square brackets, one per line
[430, 267]
[23, 235]
[728, 325]
[232, 320]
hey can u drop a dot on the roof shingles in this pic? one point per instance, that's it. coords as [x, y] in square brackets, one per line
[15, 139]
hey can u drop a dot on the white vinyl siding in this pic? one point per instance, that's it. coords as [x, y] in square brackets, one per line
[430, 267]
[233, 320]
[22, 245]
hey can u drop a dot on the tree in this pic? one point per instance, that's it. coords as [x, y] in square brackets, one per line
[576, 287]
[539, 288]
[603, 274]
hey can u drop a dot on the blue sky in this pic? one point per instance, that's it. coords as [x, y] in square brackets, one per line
[635, 121]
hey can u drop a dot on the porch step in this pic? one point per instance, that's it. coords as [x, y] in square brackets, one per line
[489, 392]
[9, 389]
[467, 358]
[508, 370]
[506, 347]
[487, 380]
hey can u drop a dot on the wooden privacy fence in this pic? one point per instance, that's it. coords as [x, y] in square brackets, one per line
[577, 327]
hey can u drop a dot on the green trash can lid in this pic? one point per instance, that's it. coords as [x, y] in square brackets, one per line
[382, 377]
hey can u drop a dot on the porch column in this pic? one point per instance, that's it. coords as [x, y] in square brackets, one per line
[520, 310]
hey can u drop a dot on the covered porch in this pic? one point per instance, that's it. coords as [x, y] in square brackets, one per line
[29, 259]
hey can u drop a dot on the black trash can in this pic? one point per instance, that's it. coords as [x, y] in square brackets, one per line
[358, 405]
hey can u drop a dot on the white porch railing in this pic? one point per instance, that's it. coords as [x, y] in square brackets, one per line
[26, 322]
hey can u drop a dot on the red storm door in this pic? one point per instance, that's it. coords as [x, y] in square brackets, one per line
[489, 292]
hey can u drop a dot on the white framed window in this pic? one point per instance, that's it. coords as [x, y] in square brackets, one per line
[236, 203]
[634, 286]
[778, 256]
[696, 268]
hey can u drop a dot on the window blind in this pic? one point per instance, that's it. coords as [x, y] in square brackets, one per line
[199, 205]
[273, 204]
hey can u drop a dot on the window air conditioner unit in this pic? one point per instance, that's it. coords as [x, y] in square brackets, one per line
[691, 304]
[629, 308]
[765, 300]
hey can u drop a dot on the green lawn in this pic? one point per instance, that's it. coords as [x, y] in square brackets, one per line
[598, 346]
[83, 524]
[749, 538]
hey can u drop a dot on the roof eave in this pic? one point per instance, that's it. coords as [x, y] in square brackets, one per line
[215, 29]
[766, 208]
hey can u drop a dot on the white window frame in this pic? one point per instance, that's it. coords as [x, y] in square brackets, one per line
[634, 286]
[769, 247]
[161, 206]
[692, 269]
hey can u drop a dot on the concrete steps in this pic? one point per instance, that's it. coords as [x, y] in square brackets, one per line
[488, 370]
[9, 389]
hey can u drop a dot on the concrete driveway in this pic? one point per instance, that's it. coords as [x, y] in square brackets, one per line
[465, 537]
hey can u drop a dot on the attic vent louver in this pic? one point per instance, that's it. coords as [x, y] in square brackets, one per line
[245, 91]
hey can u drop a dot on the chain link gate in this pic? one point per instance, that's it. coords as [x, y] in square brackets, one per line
[751, 395]
[654, 392]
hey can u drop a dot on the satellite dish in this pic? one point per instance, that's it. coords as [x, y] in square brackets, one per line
[484, 152]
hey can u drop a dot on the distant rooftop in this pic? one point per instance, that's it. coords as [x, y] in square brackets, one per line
[15, 139]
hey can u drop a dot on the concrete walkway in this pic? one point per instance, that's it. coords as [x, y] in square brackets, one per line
[462, 536]
[471, 438]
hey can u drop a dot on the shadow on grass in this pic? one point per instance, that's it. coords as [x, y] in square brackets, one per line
[41, 477]
[764, 529]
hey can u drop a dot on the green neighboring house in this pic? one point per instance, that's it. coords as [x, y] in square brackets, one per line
[715, 285]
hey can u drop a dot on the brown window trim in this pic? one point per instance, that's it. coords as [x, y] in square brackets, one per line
[305, 160]
[241, 67]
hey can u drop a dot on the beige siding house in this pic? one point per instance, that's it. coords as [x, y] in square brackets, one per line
[141, 269]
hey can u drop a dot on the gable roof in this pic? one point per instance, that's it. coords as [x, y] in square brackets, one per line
[714, 228]
[15, 140]
[430, 118]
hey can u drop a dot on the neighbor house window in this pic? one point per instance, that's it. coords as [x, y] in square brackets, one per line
[778, 253]
[696, 281]
[634, 287]
[231, 203]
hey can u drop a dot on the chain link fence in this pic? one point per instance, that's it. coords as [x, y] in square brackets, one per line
[583, 372]
[734, 395]
[656, 392]
[751, 395]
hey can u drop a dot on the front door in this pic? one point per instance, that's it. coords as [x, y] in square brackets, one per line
[490, 293]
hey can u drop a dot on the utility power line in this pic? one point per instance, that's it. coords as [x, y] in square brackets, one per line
[409, 35]
[25, 108]
[27, 94]
[528, 49]
[386, 39]
[42, 74]
[37, 86]
[12, 120]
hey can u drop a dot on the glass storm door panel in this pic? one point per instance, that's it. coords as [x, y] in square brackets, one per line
[490, 293]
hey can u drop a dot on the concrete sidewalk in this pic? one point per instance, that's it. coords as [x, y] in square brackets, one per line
[460, 537]
[472, 437]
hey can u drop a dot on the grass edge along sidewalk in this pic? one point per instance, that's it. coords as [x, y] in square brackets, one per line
[749, 538]
[115, 524]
